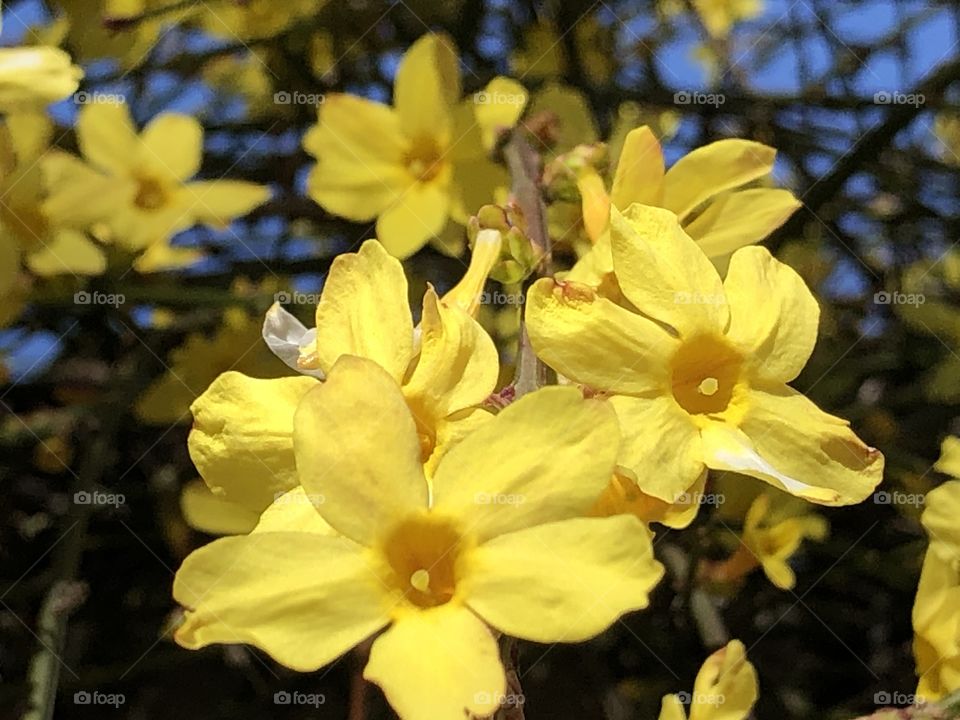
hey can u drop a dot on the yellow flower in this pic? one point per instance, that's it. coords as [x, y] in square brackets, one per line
[35, 76]
[625, 496]
[419, 163]
[28, 231]
[697, 367]
[936, 610]
[242, 437]
[436, 563]
[139, 185]
[254, 19]
[718, 16]
[705, 189]
[236, 346]
[773, 531]
[725, 688]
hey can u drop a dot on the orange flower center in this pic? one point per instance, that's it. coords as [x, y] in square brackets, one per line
[422, 553]
[706, 371]
[423, 159]
[151, 195]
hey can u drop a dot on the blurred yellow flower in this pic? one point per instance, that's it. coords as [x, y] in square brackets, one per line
[543, 56]
[725, 688]
[433, 563]
[419, 163]
[717, 16]
[236, 345]
[31, 77]
[241, 440]
[138, 185]
[773, 530]
[697, 366]
[705, 189]
[936, 610]
[27, 230]
[254, 19]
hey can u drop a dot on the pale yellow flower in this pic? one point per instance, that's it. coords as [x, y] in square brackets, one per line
[725, 688]
[434, 563]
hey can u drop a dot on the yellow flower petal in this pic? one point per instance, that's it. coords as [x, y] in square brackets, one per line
[242, 437]
[438, 664]
[173, 145]
[364, 311]
[555, 454]
[67, 251]
[79, 194]
[356, 446]
[940, 519]
[726, 686]
[426, 87]
[773, 315]
[595, 203]
[295, 511]
[640, 172]
[451, 430]
[498, 107]
[671, 708]
[664, 468]
[418, 214]
[218, 202]
[458, 364]
[484, 255]
[593, 341]
[208, 513]
[741, 218]
[663, 272]
[360, 151]
[107, 136]
[712, 169]
[565, 581]
[160, 256]
[35, 76]
[329, 599]
[949, 461]
[789, 442]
